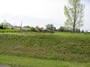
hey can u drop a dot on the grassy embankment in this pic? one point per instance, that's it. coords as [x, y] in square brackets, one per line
[57, 46]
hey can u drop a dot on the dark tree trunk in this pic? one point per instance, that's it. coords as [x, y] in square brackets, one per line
[73, 28]
[74, 19]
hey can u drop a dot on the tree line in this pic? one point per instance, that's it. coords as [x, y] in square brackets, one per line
[49, 27]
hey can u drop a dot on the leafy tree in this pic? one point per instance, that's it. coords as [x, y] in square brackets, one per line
[74, 14]
[61, 29]
[50, 27]
[5, 24]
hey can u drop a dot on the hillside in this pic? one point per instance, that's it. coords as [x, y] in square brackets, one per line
[66, 47]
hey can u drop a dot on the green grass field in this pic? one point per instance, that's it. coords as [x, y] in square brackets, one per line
[45, 49]
[34, 62]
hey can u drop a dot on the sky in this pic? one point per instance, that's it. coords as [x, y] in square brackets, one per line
[38, 12]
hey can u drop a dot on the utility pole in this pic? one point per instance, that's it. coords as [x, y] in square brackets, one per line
[21, 26]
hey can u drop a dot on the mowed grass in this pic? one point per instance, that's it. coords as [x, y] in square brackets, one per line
[33, 62]
[45, 48]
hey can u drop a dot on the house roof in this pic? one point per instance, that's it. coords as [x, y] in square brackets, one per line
[21, 28]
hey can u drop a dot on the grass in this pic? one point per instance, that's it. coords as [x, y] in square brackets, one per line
[56, 48]
[33, 62]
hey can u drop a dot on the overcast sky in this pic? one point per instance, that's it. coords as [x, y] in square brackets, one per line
[38, 12]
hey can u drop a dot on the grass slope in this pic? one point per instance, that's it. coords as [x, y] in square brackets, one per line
[57, 46]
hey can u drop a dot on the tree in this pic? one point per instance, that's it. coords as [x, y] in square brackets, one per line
[74, 14]
[61, 29]
[6, 25]
[50, 27]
